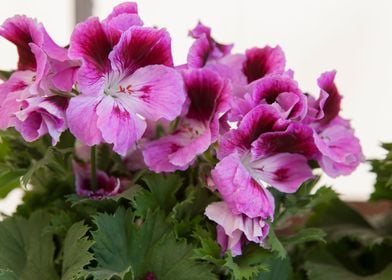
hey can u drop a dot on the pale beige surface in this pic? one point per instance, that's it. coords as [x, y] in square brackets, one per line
[354, 37]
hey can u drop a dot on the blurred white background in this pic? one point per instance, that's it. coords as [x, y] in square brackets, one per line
[354, 37]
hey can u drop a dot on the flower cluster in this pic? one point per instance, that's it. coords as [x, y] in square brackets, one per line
[116, 83]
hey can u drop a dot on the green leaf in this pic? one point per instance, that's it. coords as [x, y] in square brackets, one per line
[76, 252]
[7, 275]
[25, 250]
[253, 260]
[195, 203]
[277, 269]
[305, 235]
[276, 245]
[160, 194]
[301, 202]
[340, 221]
[383, 170]
[53, 161]
[209, 251]
[325, 267]
[9, 180]
[121, 246]
[4, 75]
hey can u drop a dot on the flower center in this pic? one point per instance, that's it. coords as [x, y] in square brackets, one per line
[128, 89]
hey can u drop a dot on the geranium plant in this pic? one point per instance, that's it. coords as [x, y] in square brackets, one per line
[136, 168]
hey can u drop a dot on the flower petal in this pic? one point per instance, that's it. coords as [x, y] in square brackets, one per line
[199, 52]
[341, 150]
[52, 74]
[91, 44]
[240, 191]
[82, 119]
[21, 31]
[107, 186]
[231, 228]
[140, 47]
[42, 115]
[123, 8]
[261, 119]
[154, 92]
[331, 104]
[123, 17]
[297, 138]
[285, 172]
[12, 93]
[263, 61]
[282, 91]
[118, 126]
[206, 90]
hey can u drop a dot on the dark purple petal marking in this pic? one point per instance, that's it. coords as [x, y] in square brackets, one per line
[140, 47]
[204, 88]
[263, 61]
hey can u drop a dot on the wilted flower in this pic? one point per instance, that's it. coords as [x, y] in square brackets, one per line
[235, 230]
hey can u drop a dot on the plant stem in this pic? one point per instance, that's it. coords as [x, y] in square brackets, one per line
[93, 163]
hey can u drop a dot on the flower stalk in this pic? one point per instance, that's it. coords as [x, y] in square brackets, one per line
[93, 160]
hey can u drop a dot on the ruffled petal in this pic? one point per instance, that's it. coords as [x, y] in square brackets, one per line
[176, 151]
[154, 92]
[283, 92]
[341, 150]
[233, 229]
[240, 191]
[330, 97]
[123, 17]
[118, 126]
[140, 47]
[297, 138]
[285, 172]
[91, 44]
[53, 74]
[42, 115]
[12, 93]
[205, 49]
[261, 62]
[82, 119]
[206, 91]
[260, 120]
[22, 31]
[199, 52]
[123, 8]
[107, 186]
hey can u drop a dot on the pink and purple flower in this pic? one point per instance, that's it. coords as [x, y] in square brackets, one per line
[28, 99]
[208, 99]
[126, 77]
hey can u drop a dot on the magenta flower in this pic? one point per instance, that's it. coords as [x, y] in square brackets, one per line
[41, 115]
[27, 99]
[233, 230]
[106, 185]
[340, 151]
[208, 98]
[54, 71]
[261, 62]
[205, 49]
[12, 92]
[241, 191]
[247, 167]
[279, 91]
[123, 16]
[125, 78]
